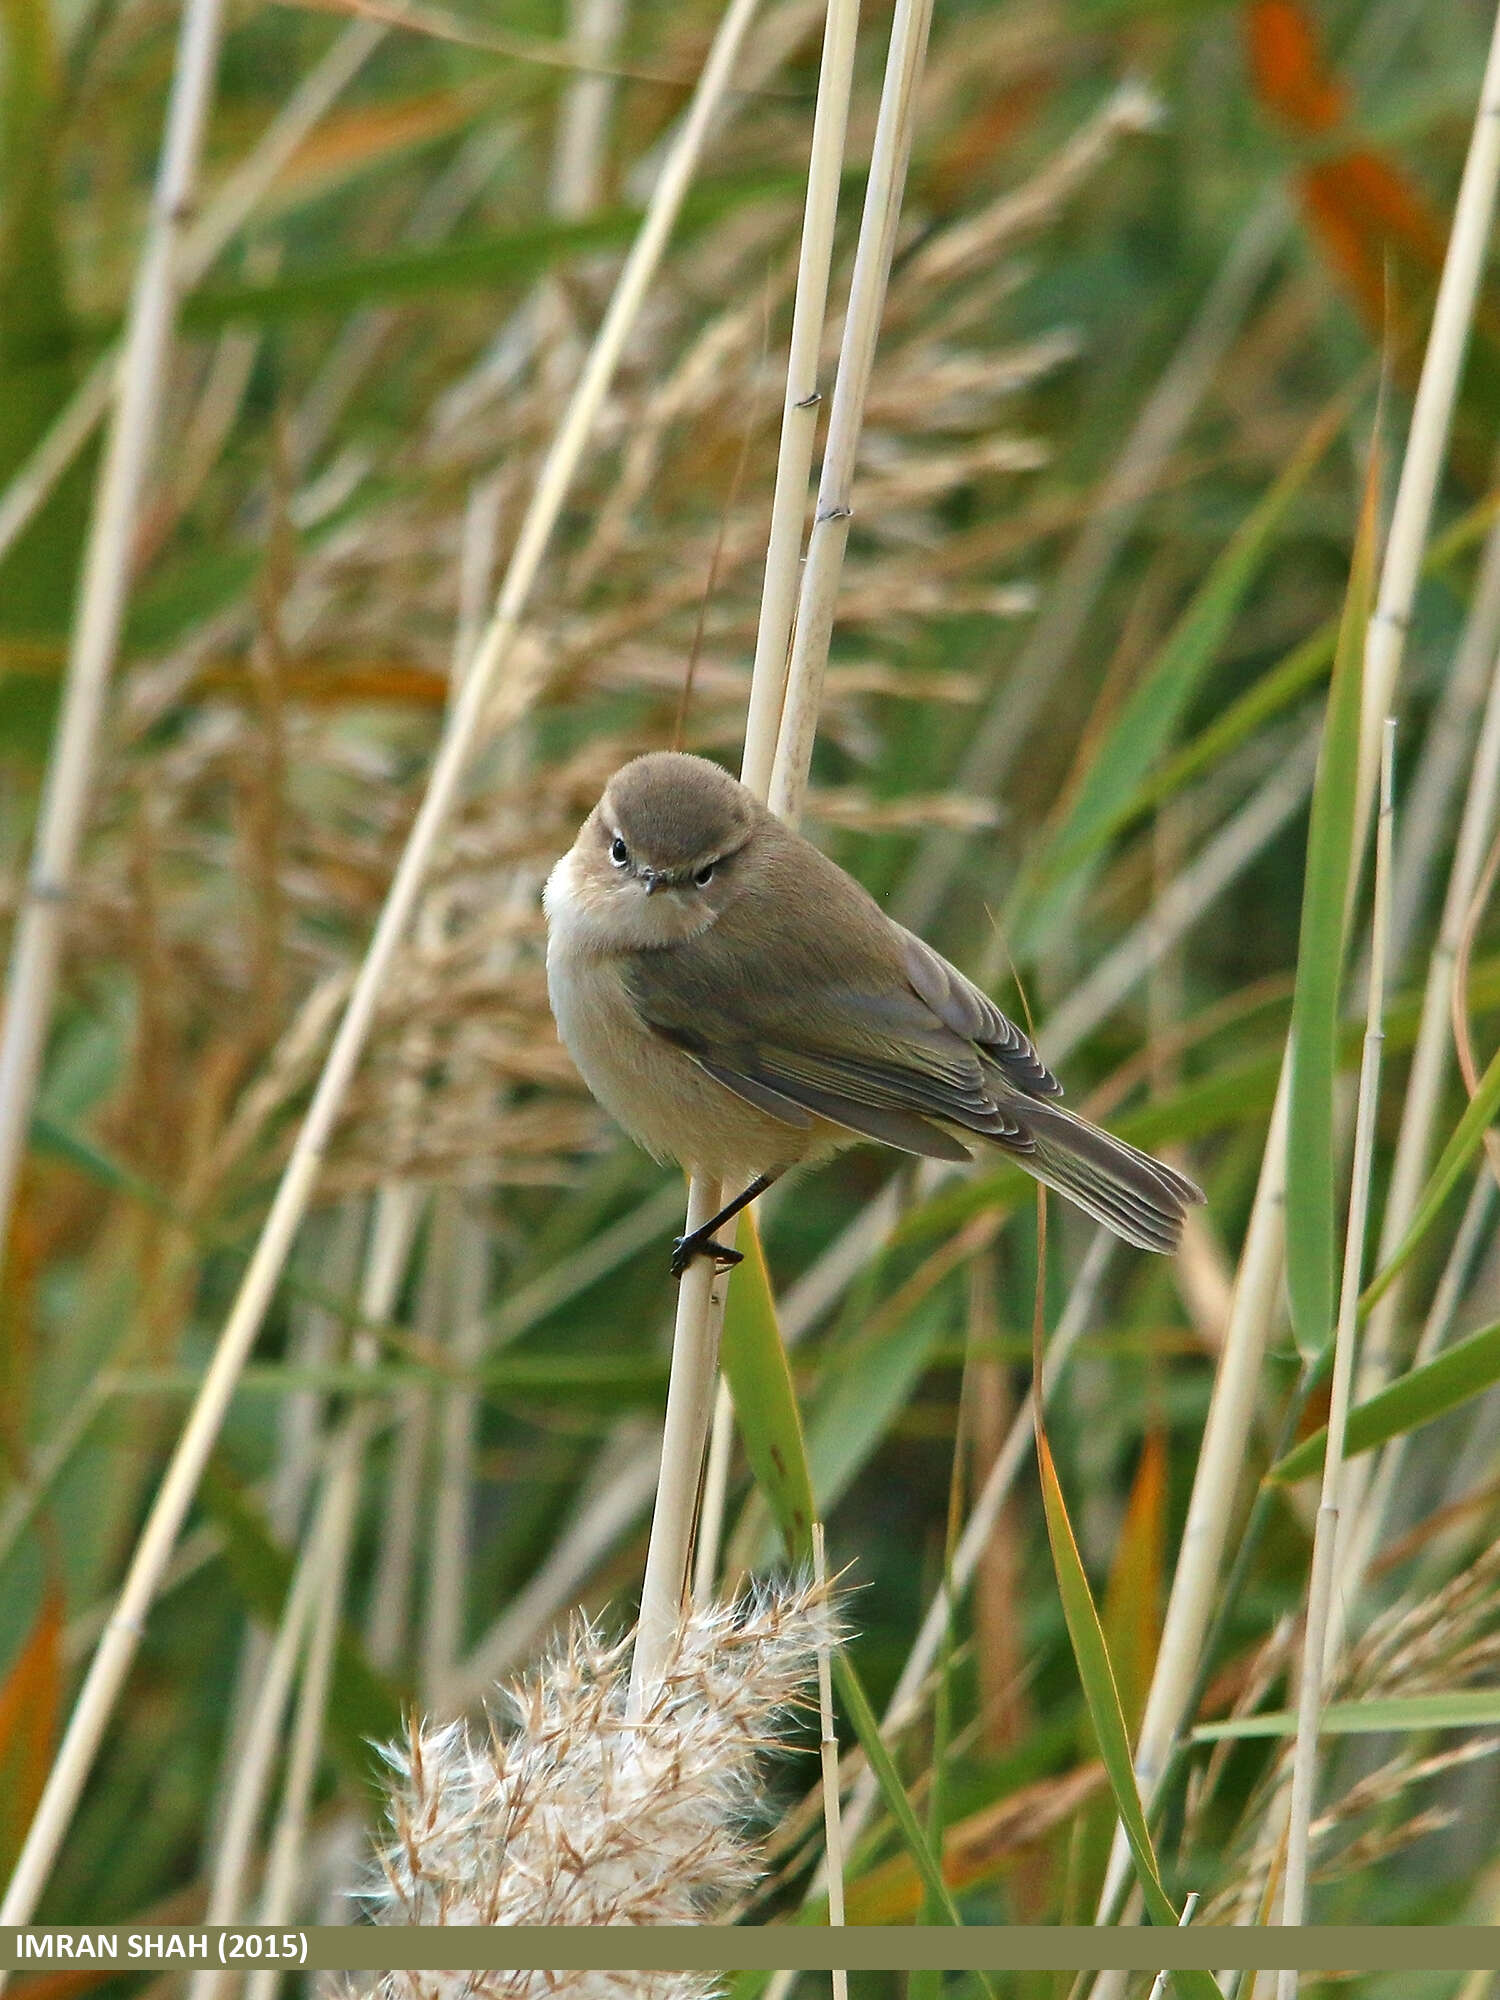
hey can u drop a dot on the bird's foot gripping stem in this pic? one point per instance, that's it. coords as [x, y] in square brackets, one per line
[701, 1242]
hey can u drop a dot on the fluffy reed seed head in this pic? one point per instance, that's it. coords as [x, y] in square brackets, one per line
[564, 1813]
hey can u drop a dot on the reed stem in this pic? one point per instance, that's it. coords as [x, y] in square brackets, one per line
[199, 243]
[261, 1742]
[818, 596]
[1318, 1632]
[700, 1305]
[103, 592]
[690, 1387]
[905, 1702]
[799, 416]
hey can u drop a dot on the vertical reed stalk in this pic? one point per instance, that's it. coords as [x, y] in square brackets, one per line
[1424, 1089]
[695, 1336]
[818, 596]
[103, 591]
[266, 1664]
[389, 1616]
[1447, 748]
[475, 709]
[778, 602]
[690, 1388]
[1318, 1632]
[594, 30]
[1435, 1330]
[397, 1209]
[284, 1865]
[1257, 1284]
[454, 1276]
[199, 243]
[799, 414]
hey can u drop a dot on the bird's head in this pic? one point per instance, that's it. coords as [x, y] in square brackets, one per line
[659, 856]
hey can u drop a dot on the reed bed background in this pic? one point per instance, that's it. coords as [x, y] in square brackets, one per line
[1176, 476]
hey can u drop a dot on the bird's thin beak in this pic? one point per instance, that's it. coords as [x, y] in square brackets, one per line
[653, 881]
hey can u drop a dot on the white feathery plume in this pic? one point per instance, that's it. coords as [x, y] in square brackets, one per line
[564, 1813]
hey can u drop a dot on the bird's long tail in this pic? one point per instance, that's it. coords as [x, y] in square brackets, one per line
[1125, 1189]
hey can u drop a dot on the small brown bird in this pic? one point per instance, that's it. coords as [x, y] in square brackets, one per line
[742, 1006]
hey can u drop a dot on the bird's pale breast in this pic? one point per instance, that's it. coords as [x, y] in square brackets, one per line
[661, 1097]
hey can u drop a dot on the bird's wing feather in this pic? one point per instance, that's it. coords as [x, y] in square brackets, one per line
[908, 1131]
[960, 1005]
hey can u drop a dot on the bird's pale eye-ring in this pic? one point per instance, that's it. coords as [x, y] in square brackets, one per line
[619, 853]
[705, 874]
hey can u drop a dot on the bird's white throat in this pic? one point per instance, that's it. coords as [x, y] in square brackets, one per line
[589, 918]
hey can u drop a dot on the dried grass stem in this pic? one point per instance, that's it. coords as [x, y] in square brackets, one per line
[103, 592]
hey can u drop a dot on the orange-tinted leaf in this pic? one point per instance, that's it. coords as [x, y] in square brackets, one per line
[1371, 223]
[1376, 231]
[30, 1697]
[1132, 1600]
[25, 1262]
[1364, 212]
[1287, 65]
[1132, 1629]
[319, 680]
[329, 681]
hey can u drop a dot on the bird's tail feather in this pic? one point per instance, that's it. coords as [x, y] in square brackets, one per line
[1137, 1197]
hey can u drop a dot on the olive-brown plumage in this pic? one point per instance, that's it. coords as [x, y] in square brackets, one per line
[741, 1005]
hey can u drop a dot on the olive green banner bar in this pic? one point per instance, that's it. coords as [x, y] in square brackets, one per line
[718, 1948]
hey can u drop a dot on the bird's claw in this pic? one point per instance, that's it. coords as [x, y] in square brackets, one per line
[686, 1248]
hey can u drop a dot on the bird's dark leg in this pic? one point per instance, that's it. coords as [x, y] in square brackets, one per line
[701, 1243]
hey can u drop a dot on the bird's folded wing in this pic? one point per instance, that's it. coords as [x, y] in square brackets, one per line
[895, 1070]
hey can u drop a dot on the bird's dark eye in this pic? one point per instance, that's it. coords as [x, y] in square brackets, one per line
[705, 875]
[619, 853]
